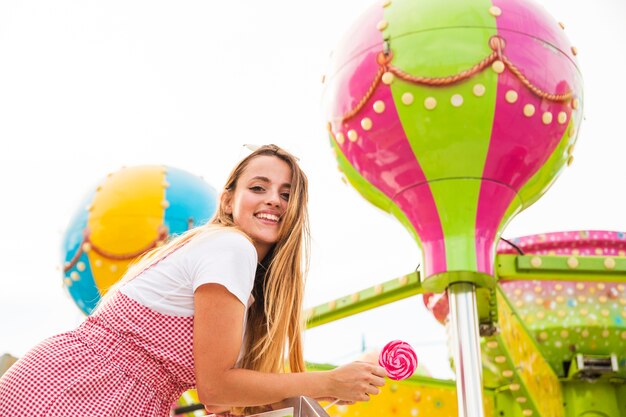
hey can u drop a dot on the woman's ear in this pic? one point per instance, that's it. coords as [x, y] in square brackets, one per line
[226, 202]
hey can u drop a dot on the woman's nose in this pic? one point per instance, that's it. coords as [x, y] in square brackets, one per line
[273, 198]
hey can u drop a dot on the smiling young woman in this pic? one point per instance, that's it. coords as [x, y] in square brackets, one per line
[259, 200]
[218, 308]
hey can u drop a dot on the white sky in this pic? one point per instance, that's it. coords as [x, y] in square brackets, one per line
[89, 86]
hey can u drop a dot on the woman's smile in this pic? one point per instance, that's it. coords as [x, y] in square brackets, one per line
[260, 199]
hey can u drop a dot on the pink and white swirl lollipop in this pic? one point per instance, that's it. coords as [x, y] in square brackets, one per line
[399, 360]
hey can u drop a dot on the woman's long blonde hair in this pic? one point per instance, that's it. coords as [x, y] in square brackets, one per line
[274, 322]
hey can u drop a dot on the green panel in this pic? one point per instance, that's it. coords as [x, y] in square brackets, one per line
[463, 130]
[367, 299]
[556, 268]
[506, 406]
[590, 400]
[486, 305]
[411, 16]
[446, 131]
[580, 264]
[438, 283]
[441, 39]
[436, 135]
[620, 391]
[457, 202]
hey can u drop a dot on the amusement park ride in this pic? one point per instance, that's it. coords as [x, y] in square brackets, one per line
[452, 116]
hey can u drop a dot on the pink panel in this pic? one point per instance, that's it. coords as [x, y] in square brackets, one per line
[383, 156]
[353, 75]
[419, 206]
[493, 201]
[531, 18]
[521, 144]
[360, 36]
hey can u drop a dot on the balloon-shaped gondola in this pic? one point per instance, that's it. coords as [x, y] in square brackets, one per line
[454, 116]
[132, 210]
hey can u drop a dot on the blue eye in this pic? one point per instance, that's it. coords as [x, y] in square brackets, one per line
[285, 196]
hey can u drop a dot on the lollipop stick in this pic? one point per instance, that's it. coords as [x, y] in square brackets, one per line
[326, 407]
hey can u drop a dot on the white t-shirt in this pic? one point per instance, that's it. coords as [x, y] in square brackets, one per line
[219, 256]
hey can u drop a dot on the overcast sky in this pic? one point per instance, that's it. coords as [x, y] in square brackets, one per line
[87, 87]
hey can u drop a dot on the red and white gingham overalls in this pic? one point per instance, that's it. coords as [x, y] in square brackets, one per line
[124, 360]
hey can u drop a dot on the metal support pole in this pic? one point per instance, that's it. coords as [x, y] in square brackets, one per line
[466, 349]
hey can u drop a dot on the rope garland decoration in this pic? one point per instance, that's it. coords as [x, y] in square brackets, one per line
[368, 94]
[161, 237]
[496, 43]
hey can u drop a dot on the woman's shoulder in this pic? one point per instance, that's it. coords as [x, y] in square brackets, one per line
[225, 238]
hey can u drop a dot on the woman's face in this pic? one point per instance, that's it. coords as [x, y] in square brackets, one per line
[260, 199]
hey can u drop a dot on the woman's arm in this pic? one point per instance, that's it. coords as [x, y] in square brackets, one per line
[218, 330]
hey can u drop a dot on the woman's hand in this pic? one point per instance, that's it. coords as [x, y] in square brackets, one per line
[356, 381]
